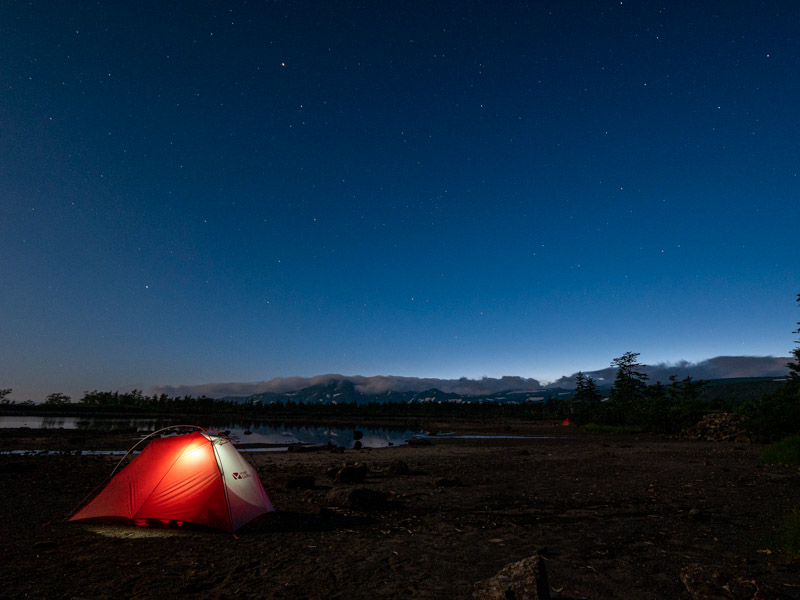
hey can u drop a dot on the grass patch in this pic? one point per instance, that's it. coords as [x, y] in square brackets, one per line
[783, 452]
[790, 536]
[613, 429]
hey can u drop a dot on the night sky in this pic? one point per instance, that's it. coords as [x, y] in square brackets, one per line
[235, 191]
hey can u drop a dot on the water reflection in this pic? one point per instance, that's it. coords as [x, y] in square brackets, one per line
[86, 423]
[372, 437]
[276, 434]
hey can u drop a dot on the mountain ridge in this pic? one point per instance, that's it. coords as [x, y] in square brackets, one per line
[346, 392]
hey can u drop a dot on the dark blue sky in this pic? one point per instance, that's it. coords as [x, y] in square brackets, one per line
[205, 192]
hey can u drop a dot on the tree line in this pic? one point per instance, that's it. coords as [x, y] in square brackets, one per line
[668, 409]
[632, 404]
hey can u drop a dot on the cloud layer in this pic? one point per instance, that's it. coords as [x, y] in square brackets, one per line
[720, 367]
[379, 384]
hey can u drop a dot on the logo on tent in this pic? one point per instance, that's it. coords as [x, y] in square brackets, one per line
[242, 475]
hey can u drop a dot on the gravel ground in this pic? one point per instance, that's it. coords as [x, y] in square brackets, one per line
[613, 516]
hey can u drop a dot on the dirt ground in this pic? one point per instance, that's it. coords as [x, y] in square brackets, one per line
[613, 517]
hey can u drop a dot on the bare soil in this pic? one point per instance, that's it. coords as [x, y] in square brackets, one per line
[613, 516]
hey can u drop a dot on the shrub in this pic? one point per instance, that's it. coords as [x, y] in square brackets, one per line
[783, 452]
[790, 535]
[776, 415]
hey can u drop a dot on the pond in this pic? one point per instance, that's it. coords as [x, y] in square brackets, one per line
[251, 433]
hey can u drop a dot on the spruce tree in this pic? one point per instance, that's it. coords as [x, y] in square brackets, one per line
[585, 388]
[794, 367]
[629, 384]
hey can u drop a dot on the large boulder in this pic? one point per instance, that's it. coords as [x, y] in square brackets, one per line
[522, 580]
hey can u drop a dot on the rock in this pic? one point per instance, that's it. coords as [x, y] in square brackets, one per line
[361, 499]
[356, 473]
[398, 467]
[348, 473]
[298, 447]
[334, 449]
[718, 427]
[357, 435]
[357, 445]
[695, 515]
[418, 442]
[523, 580]
[709, 582]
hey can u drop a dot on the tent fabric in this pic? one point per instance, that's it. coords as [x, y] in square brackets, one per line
[195, 478]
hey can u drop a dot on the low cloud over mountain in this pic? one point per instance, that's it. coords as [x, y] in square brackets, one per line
[378, 384]
[721, 367]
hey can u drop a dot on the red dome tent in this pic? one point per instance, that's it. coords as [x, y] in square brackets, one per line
[195, 478]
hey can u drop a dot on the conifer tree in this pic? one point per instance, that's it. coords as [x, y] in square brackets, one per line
[585, 389]
[685, 390]
[794, 366]
[629, 384]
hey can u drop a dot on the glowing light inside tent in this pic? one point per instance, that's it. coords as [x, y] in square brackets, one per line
[194, 455]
